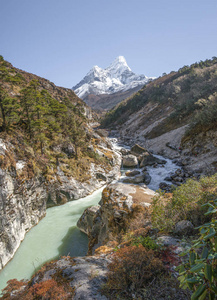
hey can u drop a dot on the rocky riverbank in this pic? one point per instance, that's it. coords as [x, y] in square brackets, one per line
[25, 196]
[196, 156]
[115, 212]
[190, 164]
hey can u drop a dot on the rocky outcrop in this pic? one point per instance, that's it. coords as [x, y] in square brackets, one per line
[24, 196]
[83, 275]
[85, 223]
[117, 206]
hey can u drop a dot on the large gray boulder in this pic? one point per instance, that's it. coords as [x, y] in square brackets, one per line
[130, 161]
[86, 220]
[184, 227]
[150, 160]
[137, 150]
[135, 179]
[132, 173]
[147, 178]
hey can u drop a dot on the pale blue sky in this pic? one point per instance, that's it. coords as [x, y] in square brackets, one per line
[62, 39]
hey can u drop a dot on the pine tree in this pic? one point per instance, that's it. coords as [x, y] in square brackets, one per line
[28, 100]
[2, 107]
[9, 110]
[76, 133]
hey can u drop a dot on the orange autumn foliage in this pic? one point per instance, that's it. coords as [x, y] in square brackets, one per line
[45, 290]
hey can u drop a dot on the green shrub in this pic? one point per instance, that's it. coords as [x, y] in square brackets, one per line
[205, 118]
[185, 204]
[146, 242]
[199, 274]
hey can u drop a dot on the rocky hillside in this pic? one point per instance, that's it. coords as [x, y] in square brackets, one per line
[174, 115]
[49, 153]
[105, 102]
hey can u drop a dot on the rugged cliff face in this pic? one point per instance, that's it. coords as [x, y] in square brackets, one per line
[22, 205]
[49, 153]
[25, 196]
[119, 204]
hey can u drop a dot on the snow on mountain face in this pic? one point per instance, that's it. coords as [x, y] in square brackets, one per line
[117, 77]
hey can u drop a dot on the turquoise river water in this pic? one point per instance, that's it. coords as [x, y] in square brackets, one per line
[56, 235]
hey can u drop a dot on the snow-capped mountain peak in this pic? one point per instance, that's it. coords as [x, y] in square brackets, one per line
[116, 77]
[119, 63]
[96, 69]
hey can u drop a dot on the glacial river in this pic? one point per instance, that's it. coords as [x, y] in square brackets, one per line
[57, 235]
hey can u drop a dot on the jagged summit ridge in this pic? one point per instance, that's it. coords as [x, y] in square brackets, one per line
[116, 77]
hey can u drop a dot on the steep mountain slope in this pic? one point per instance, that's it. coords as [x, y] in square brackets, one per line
[176, 110]
[118, 77]
[49, 153]
[105, 102]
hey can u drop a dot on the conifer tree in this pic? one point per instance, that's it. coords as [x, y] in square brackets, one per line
[28, 101]
[2, 107]
[9, 109]
[76, 133]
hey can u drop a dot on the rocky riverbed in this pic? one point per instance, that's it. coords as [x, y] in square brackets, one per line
[141, 166]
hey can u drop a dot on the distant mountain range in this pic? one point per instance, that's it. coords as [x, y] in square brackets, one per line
[116, 79]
